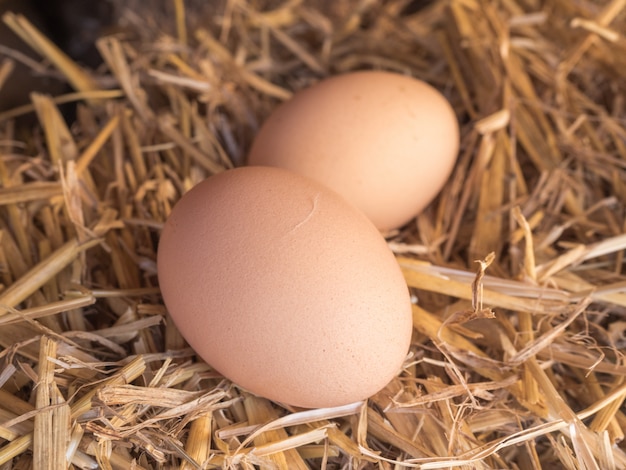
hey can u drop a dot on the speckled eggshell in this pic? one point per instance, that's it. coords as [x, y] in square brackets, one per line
[385, 141]
[284, 288]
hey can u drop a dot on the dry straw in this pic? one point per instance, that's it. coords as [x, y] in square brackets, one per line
[517, 268]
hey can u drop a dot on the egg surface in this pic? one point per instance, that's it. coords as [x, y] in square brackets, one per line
[384, 141]
[284, 288]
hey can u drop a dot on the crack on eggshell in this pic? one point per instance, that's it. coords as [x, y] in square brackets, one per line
[308, 216]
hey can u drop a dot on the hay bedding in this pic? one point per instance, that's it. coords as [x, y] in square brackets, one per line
[517, 360]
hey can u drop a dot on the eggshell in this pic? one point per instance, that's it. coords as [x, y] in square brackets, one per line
[385, 141]
[284, 288]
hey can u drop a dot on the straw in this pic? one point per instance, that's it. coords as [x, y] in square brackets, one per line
[516, 270]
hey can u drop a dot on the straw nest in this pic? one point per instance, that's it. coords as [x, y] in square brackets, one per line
[518, 267]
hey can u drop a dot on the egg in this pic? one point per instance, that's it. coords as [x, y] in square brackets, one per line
[284, 288]
[386, 142]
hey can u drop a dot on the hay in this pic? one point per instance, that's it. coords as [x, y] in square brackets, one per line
[518, 267]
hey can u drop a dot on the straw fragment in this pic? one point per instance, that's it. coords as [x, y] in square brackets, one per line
[51, 436]
[80, 80]
[41, 273]
[29, 192]
[505, 353]
[198, 446]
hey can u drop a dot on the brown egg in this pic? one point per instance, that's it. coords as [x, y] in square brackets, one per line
[386, 142]
[284, 288]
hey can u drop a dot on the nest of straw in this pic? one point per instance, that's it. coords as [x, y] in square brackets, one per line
[517, 359]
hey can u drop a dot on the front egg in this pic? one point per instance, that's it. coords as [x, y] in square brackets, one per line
[284, 288]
